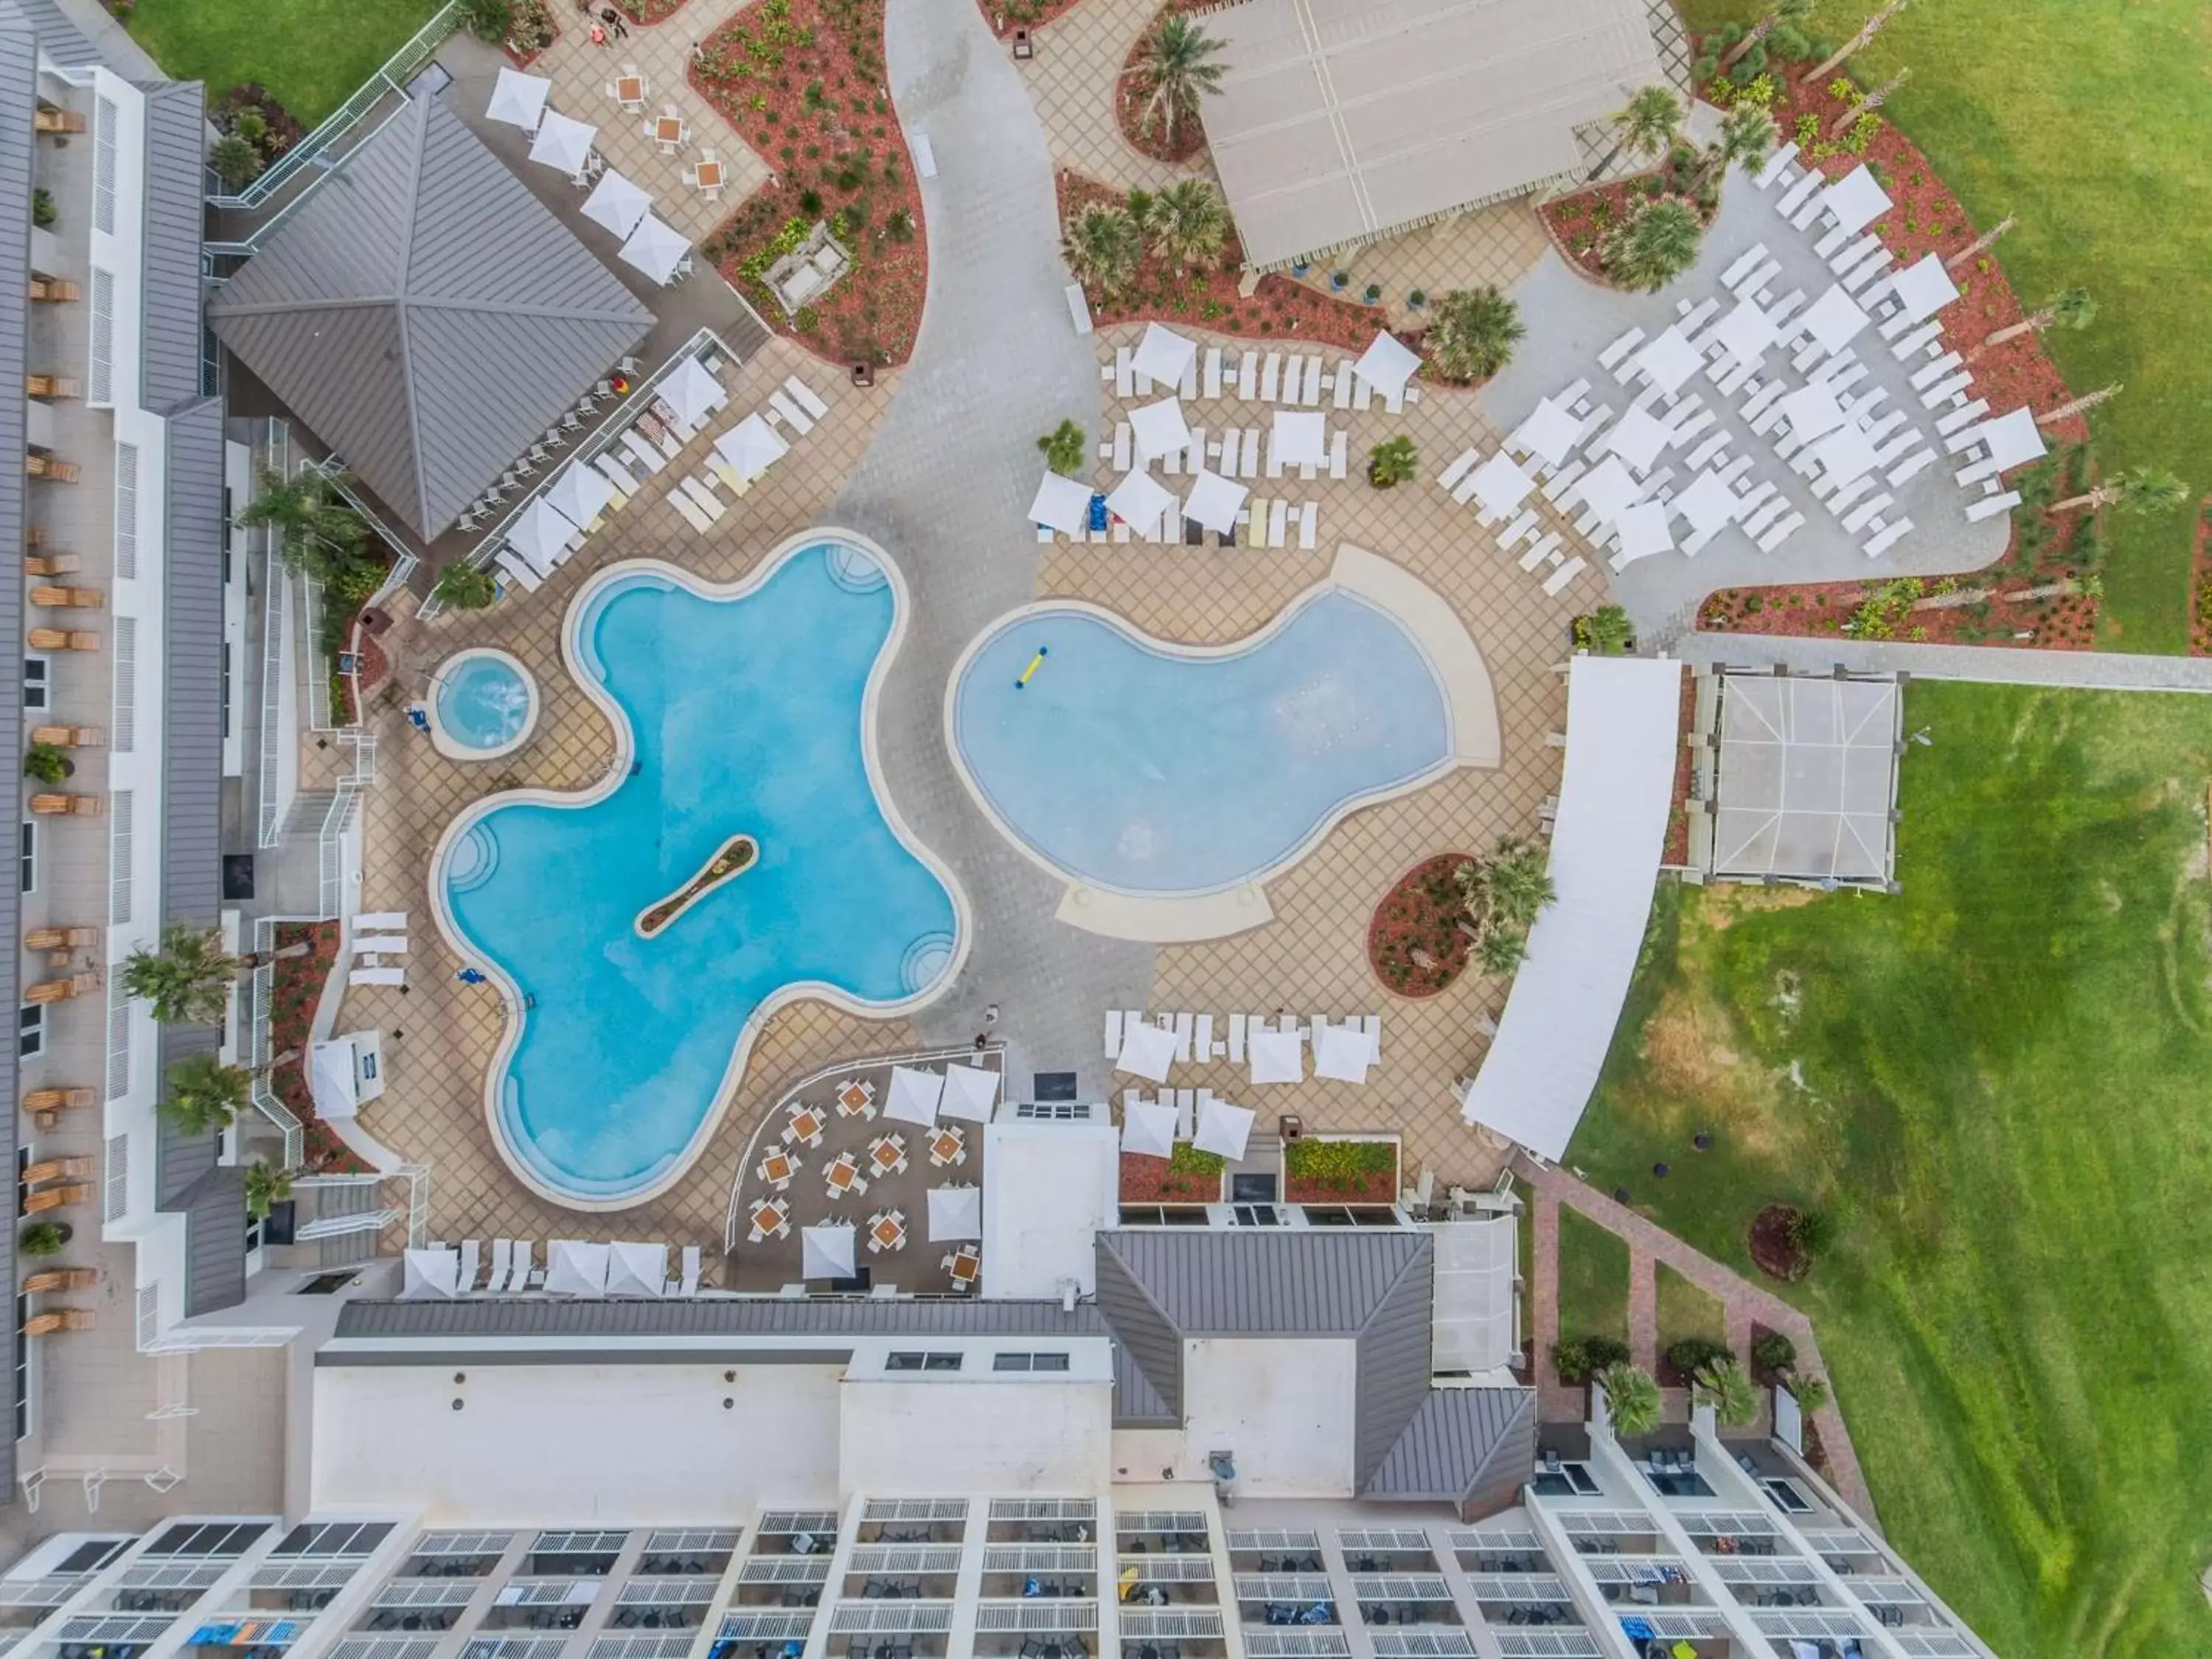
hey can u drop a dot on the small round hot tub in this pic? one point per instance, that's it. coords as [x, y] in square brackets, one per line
[485, 705]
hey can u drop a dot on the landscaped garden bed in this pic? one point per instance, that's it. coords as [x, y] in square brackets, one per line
[1131, 95]
[1415, 943]
[530, 31]
[1189, 1177]
[2200, 585]
[1676, 851]
[651, 11]
[1318, 1169]
[801, 81]
[296, 986]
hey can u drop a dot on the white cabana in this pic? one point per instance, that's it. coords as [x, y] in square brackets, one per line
[825, 1252]
[1924, 288]
[541, 535]
[1844, 454]
[914, 1094]
[1163, 355]
[970, 1092]
[1214, 500]
[655, 248]
[331, 1080]
[1221, 1128]
[1500, 484]
[1747, 331]
[579, 494]
[635, 1269]
[617, 203]
[1061, 504]
[1140, 501]
[750, 447]
[577, 1266]
[1607, 489]
[563, 141]
[1301, 437]
[2013, 437]
[1855, 200]
[1834, 319]
[1638, 437]
[1386, 365]
[1147, 1051]
[430, 1276]
[691, 392]
[1708, 503]
[1811, 411]
[1148, 1128]
[1549, 432]
[1644, 532]
[1276, 1056]
[955, 1213]
[518, 98]
[1669, 361]
[1343, 1053]
[1159, 429]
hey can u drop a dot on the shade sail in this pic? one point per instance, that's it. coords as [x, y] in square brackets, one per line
[563, 141]
[1844, 454]
[1214, 500]
[1834, 319]
[1638, 437]
[1549, 432]
[655, 248]
[1924, 288]
[1708, 503]
[581, 494]
[1301, 437]
[1148, 1128]
[1855, 200]
[1643, 531]
[1607, 487]
[635, 1269]
[1500, 484]
[691, 392]
[1160, 429]
[1276, 1056]
[1163, 355]
[519, 99]
[915, 1095]
[331, 1080]
[616, 202]
[1386, 365]
[1812, 411]
[955, 1213]
[1221, 1128]
[431, 1275]
[1669, 361]
[970, 1092]
[2013, 437]
[1140, 501]
[1061, 504]
[1343, 1053]
[1147, 1051]
[577, 1266]
[750, 447]
[1747, 331]
[825, 1252]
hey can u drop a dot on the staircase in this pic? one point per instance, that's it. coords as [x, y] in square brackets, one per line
[342, 1218]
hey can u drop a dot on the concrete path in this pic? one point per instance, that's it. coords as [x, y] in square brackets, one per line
[945, 487]
[2097, 670]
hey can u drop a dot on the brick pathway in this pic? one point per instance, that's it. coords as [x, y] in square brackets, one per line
[1650, 1245]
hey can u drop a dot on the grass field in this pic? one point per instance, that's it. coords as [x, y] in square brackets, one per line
[1686, 1310]
[312, 54]
[2090, 119]
[1593, 1280]
[1996, 1083]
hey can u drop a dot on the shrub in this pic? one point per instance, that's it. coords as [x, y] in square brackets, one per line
[235, 161]
[1188, 1160]
[1339, 1165]
[1579, 1358]
[43, 1238]
[1631, 1398]
[1693, 1354]
[43, 212]
[1812, 1234]
[466, 586]
[1774, 1352]
[1393, 462]
[487, 19]
[47, 762]
[1065, 447]
[1811, 1393]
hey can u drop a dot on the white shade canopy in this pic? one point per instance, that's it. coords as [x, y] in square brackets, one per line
[1608, 487]
[1669, 361]
[1148, 1128]
[541, 534]
[1276, 1056]
[581, 494]
[1548, 433]
[1343, 1053]
[1163, 355]
[576, 1267]
[518, 98]
[1708, 503]
[1811, 411]
[1844, 454]
[954, 1212]
[1638, 437]
[970, 1092]
[1160, 429]
[750, 447]
[691, 392]
[1834, 319]
[1924, 288]
[915, 1095]
[1386, 365]
[1061, 504]
[1221, 1128]
[1140, 501]
[331, 1080]
[617, 203]
[2013, 437]
[1855, 200]
[1214, 500]
[635, 1269]
[431, 1275]
[655, 248]
[1147, 1051]
[1747, 331]
[1301, 437]
[563, 141]
[1500, 484]
[825, 1252]
[1643, 531]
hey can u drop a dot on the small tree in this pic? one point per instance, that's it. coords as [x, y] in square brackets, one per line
[1654, 244]
[235, 161]
[1811, 1393]
[1632, 1399]
[321, 535]
[1724, 1386]
[1064, 448]
[1187, 222]
[2082, 404]
[1644, 129]
[1503, 895]
[1748, 138]
[1103, 248]
[266, 1186]
[1792, 12]
[1606, 630]
[466, 586]
[487, 19]
[47, 763]
[1174, 70]
[1980, 244]
[2070, 309]
[1811, 1234]
[204, 1095]
[187, 979]
[1393, 462]
[1868, 104]
[2140, 489]
[1774, 1352]
[43, 1238]
[1819, 74]
[1473, 333]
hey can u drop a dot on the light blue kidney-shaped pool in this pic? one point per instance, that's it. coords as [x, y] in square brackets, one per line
[1163, 771]
[748, 716]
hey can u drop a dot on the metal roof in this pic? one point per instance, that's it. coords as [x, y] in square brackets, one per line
[426, 315]
[215, 1241]
[525, 1317]
[1473, 1447]
[63, 42]
[1339, 119]
[170, 342]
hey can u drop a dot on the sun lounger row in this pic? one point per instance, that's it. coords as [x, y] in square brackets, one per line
[514, 1268]
[1288, 379]
[1196, 1038]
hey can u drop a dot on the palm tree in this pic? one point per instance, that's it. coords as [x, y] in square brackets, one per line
[1980, 244]
[205, 1095]
[2071, 309]
[1811, 1393]
[1867, 105]
[1516, 884]
[319, 533]
[2081, 405]
[1393, 462]
[1748, 138]
[466, 586]
[1857, 43]
[1187, 222]
[1065, 447]
[1724, 1386]
[1792, 12]
[266, 1186]
[187, 979]
[1655, 245]
[1607, 630]
[1101, 247]
[1473, 333]
[2141, 489]
[1632, 1399]
[1173, 72]
[1644, 129]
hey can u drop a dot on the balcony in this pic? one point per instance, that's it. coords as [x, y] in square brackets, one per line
[57, 638]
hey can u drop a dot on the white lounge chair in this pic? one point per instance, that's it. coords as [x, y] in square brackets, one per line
[1989, 505]
[1236, 1039]
[380, 921]
[1886, 538]
[376, 976]
[502, 1264]
[1113, 1034]
[689, 1284]
[1559, 579]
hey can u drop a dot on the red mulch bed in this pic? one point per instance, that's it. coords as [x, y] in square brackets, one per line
[1129, 109]
[1772, 1250]
[524, 59]
[757, 72]
[1421, 910]
[298, 984]
[1380, 1187]
[1005, 16]
[370, 663]
[1576, 224]
[1278, 309]
[1149, 1181]
[2200, 588]
[1677, 850]
[650, 11]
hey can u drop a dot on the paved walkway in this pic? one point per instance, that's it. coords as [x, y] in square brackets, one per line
[1073, 80]
[2092, 671]
[1650, 1245]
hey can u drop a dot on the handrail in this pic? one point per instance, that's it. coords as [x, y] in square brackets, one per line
[275, 592]
[260, 1027]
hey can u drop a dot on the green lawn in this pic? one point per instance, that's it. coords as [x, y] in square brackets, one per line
[2091, 119]
[1995, 1082]
[1593, 1280]
[312, 54]
[1686, 1310]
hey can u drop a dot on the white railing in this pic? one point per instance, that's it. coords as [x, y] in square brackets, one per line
[276, 594]
[321, 716]
[418, 1203]
[261, 1020]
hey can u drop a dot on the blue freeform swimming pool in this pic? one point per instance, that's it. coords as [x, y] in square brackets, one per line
[484, 701]
[745, 717]
[1160, 771]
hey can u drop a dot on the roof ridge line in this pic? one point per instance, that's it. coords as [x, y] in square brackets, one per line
[407, 388]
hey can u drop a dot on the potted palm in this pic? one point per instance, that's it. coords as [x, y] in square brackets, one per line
[47, 763]
[45, 1238]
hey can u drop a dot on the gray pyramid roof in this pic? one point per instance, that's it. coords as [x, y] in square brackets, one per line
[1471, 1447]
[426, 315]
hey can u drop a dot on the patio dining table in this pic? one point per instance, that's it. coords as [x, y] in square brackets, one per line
[842, 1174]
[854, 1099]
[805, 1126]
[887, 1152]
[887, 1230]
[947, 1145]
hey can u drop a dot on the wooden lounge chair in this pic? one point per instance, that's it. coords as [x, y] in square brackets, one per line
[86, 807]
[56, 1198]
[62, 1319]
[53, 564]
[55, 1100]
[52, 288]
[58, 1168]
[51, 1280]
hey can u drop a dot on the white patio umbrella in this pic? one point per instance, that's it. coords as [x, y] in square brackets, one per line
[579, 494]
[2013, 437]
[1386, 365]
[1163, 355]
[914, 1095]
[1221, 1128]
[1301, 437]
[563, 141]
[1924, 288]
[518, 98]
[1343, 1053]
[576, 1267]
[1160, 429]
[1276, 1056]
[331, 1080]
[1856, 200]
[617, 203]
[1140, 500]
[691, 392]
[750, 447]
[431, 1275]
[1147, 1051]
[954, 1212]
[1061, 504]
[541, 535]
[970, 1092]
[655, 248]
[1148, 1129]
[637, 1269]
[825, 1252]
[1214, 500]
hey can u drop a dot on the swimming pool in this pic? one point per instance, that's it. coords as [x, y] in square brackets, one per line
[741, 854]
[1160, 770]
[486, 705]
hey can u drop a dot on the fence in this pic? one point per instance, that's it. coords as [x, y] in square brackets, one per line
[275, 595]
[259, 1054]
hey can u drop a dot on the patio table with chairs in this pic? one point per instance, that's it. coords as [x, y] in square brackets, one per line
[771, 1218]
[804, 1127]
[842, 1176]
[964, 1264]
[777, 1169]
[669, 130]
[628, 89]
[948, 1145]
[887, 1154]
[856, 1098]
[887, 1230]
[705, 176]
